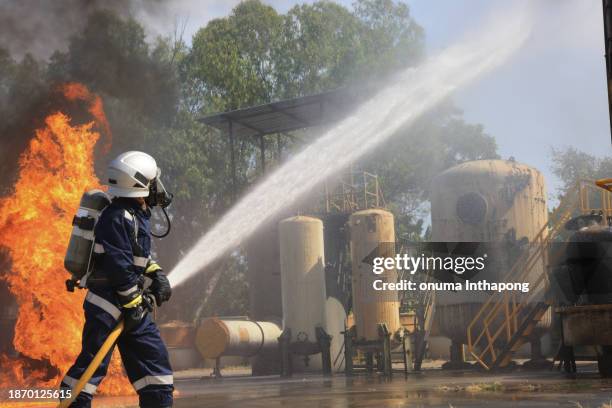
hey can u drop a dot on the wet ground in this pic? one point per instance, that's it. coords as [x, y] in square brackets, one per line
[432, 388]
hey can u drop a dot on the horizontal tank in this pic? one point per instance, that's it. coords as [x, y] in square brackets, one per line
[216, 337]
[368, 229]
[179, 338]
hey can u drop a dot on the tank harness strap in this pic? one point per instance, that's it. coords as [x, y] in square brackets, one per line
[137, 250]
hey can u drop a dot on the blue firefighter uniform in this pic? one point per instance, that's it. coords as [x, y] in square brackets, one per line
[120, 263]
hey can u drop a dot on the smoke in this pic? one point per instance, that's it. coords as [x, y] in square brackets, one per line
[42, 27]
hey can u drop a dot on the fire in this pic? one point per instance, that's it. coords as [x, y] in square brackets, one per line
[35, 225]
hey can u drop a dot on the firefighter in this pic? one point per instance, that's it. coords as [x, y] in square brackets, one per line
[122, 269]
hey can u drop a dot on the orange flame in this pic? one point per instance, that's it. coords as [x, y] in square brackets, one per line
[35, 226]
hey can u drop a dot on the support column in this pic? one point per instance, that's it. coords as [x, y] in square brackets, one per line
[232, 159]
[262, 149]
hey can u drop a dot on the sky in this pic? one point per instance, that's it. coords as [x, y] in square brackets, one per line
[551, 94]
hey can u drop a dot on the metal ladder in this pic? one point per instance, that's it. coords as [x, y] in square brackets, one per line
[505, 321]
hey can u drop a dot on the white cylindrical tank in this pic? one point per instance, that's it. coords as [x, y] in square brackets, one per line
[335, 322]
[302, 264]
[368, 229]
[236, 337]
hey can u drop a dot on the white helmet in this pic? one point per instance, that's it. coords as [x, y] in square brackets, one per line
[130, 174]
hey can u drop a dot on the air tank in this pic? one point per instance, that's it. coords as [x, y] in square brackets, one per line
[216, 337]
[302, 265]
[78, 254]
[497, 202]
[368, 229]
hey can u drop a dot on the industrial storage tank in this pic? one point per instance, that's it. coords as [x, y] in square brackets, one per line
[263, 276]
[262, 254]
[179, 338]
[584, 288]
[497, 202]
[368, 229]
[217, 337]
[302, 265]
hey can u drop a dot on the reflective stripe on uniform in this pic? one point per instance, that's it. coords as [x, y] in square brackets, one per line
[141, 261]
[103, 304]
[98, 249]
[128, 291]
[72, 382]
[153, 380]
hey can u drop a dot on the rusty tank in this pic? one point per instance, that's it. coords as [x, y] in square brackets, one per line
[500, 204]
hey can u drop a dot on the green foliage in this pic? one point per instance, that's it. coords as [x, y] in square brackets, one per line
[572, 165]
[408, 162]
[230, 57]
[391, 38]
[320, 49]
[112, 57]
[256, 55]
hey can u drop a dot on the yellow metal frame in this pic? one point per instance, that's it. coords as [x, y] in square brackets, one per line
[501, 316]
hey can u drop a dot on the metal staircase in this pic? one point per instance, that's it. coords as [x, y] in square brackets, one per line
[505, 321]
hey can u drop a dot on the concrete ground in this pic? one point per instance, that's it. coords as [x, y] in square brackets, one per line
[431, 388]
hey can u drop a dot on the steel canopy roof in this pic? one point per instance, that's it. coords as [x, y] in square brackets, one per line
[286, 115]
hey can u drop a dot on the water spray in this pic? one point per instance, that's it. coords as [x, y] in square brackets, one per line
[408, 96]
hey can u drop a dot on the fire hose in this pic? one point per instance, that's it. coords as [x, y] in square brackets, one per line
[99, 357]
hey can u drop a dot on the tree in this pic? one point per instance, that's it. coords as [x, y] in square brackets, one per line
[409, 161]
[255, 55]
[320, 49]
[112, 57]
[392, 39]
[231, 57]
[572, 165]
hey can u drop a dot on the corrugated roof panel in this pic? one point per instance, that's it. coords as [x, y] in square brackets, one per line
[287, 115]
